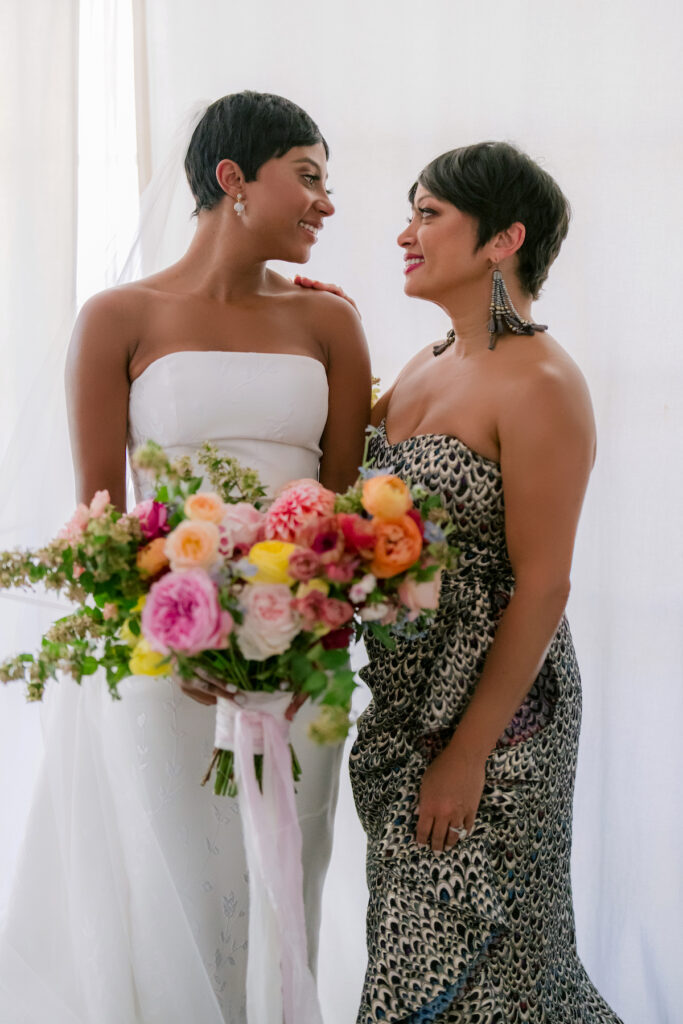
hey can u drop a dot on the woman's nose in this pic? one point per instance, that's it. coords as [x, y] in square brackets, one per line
[406, 237]
[325, 206]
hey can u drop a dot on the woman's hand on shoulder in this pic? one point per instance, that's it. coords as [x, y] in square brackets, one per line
[334, 289]
[97, 388]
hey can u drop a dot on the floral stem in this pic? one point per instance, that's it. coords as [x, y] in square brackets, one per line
[214, 758]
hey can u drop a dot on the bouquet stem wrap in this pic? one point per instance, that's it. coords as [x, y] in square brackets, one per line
[280, 986]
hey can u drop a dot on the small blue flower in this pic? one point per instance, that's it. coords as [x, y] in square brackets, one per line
[366, 474]
[433, 533]
[244, 568]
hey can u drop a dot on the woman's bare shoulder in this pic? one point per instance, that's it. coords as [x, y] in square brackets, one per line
[110, 322]
[547, 387]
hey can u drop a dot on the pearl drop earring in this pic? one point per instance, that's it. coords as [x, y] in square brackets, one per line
[239, 205]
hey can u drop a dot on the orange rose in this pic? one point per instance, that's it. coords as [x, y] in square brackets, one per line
[205, 505]
[152, 558]
[386, 497]
[399, 543]
[193, 545]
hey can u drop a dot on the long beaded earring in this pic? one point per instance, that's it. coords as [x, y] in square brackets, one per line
[504, 315]
[239, 205]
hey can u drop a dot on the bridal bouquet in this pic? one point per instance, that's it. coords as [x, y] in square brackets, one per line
[263, 601]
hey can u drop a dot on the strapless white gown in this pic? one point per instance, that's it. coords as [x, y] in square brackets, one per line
[130, 900]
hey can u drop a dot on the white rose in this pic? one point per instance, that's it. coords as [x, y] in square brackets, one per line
[270, 623]
[374, 612]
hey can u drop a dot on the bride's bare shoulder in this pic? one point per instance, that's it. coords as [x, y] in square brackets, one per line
[109, 325]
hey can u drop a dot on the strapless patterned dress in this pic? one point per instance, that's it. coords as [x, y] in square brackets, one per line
[482, 933]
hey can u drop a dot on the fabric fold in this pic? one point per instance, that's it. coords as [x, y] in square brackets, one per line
[432, 918]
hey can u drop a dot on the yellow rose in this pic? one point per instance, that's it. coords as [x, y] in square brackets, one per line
[205, 506]
[271, 558]
[386, 497]
[193, 545]
[316, 584]
[127, 635]
[146, 662]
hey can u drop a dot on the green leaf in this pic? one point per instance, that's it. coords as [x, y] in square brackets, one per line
[89, 665]
[334, 659]
[316, 683]
[340, 690]
[162, 494]
[382, 634]
[299, 667]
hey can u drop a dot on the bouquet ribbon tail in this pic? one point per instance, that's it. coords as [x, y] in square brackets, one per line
[280, 985]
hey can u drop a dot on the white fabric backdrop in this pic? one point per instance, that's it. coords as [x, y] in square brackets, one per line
[591, 91]
[38, 169]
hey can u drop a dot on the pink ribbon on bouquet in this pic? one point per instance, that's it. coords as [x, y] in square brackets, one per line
[280, 986]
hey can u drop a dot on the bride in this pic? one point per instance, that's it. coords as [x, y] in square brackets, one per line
[130, 902]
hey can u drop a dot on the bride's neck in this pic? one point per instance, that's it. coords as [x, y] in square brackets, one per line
[218, 265]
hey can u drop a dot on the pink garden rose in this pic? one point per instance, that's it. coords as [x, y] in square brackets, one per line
[242, 525]
[342, 571]
[336, 613]
[303, 565]
[153, 518]
[418, 596]
[182, 614]
[298, 507]
[270, 623]
[310, 607]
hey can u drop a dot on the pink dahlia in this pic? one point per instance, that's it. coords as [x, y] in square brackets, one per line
[298, 508]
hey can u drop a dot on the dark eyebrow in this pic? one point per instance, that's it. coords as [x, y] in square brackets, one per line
[425, 195]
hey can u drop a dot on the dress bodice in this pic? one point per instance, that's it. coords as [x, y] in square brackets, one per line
[266, 409]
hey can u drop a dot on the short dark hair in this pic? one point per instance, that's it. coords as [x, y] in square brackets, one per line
[498, 185]
[249, 128]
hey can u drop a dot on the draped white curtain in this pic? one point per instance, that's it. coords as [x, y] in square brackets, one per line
[593, 92]
[38, 174]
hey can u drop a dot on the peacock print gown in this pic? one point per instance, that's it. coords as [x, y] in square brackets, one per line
[482, 933]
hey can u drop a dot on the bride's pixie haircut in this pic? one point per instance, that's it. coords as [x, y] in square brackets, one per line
[498, 185]
[249, 128]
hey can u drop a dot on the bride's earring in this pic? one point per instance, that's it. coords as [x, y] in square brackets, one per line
[503, 313]
[239, 205]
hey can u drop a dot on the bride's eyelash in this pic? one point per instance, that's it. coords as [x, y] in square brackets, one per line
[425, 210]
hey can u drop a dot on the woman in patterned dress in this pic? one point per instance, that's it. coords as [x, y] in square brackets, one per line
[463, 768]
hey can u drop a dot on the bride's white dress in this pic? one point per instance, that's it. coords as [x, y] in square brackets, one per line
[130, 900]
